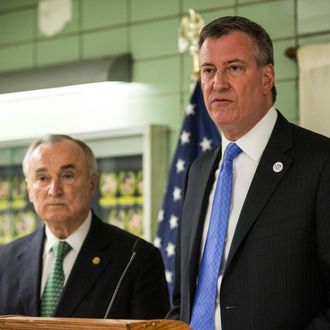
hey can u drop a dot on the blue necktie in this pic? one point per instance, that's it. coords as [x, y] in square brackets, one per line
[205, 297]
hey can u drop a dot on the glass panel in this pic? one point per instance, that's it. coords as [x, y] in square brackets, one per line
[119, 198]
[17, 217]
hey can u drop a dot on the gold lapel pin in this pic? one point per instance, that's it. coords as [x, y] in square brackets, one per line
[96, 260]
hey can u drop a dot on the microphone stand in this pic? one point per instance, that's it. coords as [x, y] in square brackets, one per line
[120, 280]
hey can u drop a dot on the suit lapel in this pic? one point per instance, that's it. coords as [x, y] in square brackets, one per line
[93, 258]
[29, 267]
[203, 190]
[264, 182]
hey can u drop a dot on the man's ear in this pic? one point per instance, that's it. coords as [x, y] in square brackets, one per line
[28, 189]
[93, 182]
[268, 78]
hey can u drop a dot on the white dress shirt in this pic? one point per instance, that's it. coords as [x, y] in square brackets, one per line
[76, 240]
[245, 164]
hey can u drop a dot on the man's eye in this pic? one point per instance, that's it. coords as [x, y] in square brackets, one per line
[42, 180]
[68, 176]
[208, 70]
[235, 68]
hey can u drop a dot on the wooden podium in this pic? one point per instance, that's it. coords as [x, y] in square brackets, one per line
[8, 322]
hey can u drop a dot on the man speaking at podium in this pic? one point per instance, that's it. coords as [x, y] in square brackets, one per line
[71, 266]
[253, 251]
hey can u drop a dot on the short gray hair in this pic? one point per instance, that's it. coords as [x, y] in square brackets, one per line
[55, 138]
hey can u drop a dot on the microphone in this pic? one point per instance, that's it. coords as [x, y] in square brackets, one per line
[121, 279]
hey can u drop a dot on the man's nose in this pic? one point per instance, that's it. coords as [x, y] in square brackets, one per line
[220, 82]
[55, 187]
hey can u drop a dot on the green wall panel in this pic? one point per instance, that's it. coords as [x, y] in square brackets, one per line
[287, 99]
[165, 110]
[153, 9]
[314, 40]
[17, 57]
[277, 17]
[105, 43]
[202, 5]
[212, 15]
[22, 30]
[314, 16]
[154, 39]
[15, 4]
[162, 76]
[248, 1]
[58, 51]
[103, 13]
[284, 67]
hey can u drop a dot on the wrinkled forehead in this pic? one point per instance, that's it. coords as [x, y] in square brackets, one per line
[54, 156]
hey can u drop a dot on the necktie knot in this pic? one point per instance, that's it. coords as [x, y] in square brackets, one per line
[231, 152]
[60, 250]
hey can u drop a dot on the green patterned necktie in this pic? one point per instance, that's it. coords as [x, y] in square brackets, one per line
[55, 281]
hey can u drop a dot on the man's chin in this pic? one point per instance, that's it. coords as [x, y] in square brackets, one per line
[57, 219]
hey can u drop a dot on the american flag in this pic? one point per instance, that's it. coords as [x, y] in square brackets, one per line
[198, 134]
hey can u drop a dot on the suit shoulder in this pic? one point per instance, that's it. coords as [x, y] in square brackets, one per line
[311, 141]
[16, 246]
[126, 240]
[310, 135]
[206, 157]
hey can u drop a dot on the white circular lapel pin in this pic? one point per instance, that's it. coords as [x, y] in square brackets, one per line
[278, 167]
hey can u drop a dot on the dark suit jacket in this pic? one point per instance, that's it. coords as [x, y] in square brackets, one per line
[142, 295]
[277, 274]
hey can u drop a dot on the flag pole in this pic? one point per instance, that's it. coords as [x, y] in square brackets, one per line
[188, 35]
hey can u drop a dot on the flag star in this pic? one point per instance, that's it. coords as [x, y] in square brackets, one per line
[206, 144]
[161, 215]
[170, 249]
[180, 166]
[185, 137]
[158, 242]
[173, 221]
[176, 194]
[169, 276]
[190, 109]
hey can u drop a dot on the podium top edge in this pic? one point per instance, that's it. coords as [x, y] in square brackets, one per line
[8, 322]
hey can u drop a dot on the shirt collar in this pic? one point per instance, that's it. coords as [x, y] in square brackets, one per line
[254, 142]
[76, 239]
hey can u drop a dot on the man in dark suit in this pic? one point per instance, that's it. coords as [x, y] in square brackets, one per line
[61, 178]
[275, 266]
